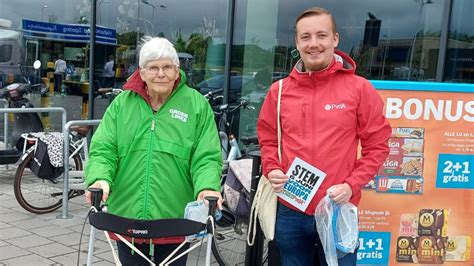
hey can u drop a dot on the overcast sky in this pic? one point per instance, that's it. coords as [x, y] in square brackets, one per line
[400, 18]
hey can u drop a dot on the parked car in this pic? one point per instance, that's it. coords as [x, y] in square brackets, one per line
[217, 82]
[279, 75]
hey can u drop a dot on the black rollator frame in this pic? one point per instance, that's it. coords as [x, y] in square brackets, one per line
[149, 229]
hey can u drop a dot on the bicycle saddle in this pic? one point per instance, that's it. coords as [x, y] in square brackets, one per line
[246, 140]
[81, 130]
[145, 228]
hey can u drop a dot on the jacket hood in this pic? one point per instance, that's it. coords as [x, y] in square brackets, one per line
[341, 62]
[136, 84]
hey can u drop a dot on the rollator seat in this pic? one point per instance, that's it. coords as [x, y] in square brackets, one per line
[145, 228]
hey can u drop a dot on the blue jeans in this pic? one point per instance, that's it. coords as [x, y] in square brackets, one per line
[298, 240]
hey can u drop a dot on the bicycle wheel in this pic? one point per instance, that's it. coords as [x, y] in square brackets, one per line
[38, 195]
[229, 244]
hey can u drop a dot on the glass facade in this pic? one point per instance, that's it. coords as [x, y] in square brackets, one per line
[389, 40]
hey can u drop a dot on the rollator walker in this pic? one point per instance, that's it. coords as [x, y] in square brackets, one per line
[150, 229]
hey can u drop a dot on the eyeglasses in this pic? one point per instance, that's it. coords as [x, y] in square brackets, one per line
[167, 69]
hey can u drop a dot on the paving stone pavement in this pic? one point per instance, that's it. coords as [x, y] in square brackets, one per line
[45, 239]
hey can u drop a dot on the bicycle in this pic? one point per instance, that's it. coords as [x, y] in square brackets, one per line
[230, 241]
[110, 93]
[41, 195]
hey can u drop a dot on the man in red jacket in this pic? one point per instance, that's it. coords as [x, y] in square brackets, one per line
[326, 111]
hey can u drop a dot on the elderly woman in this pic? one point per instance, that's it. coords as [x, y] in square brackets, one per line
[156, 149]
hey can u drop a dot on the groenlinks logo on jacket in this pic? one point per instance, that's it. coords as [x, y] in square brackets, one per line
[137, 231]
[333, 106]
[179, 115]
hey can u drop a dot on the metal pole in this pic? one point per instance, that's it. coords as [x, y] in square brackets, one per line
[254, 254]
[42, 12]
[90, 253]
[443, 40]
[5, 128]
[138, 32]
[5, 111]
[228, 48]
[65, 206]
[66, 128]
[153, 20]
[92, 59]
[5, 124]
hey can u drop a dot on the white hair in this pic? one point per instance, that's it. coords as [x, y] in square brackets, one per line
[156, 48]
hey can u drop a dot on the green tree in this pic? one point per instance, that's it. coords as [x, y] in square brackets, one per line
[128, 38]
[180, 43]
[197, 45]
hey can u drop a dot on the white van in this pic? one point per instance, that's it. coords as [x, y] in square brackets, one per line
[11, 52]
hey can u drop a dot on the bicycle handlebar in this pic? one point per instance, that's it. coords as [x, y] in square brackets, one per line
[105, 90]
[210, 95]
[109, 91]
[34, 86]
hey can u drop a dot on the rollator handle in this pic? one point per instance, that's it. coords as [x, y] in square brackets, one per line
[96, 197]
[212, 205]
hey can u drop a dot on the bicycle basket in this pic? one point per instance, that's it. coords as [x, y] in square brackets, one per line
[41, 165]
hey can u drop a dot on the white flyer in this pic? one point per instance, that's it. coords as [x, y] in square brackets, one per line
[303, 182]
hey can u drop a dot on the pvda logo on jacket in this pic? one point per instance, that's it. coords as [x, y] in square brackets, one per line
[332, 106]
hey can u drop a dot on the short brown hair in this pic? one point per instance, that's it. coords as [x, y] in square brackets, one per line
[316, 11]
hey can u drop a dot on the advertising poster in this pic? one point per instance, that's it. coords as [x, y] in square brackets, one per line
[419, 209]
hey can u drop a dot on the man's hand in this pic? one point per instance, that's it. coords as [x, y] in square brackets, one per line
[278, 180]
[105, 191]
[203, 194]
[340, 193]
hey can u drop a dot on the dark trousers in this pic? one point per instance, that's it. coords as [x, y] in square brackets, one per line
[58, 82]
[127, 257]
[298, 240]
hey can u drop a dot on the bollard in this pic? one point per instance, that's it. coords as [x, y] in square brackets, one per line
[45, 103]
[50, 76]
[85, 99]
[253, 254]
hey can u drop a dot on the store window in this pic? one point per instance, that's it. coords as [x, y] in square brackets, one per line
[45, 31]
[389, 40]
[5, 53]
[460, 53]
[197, 31]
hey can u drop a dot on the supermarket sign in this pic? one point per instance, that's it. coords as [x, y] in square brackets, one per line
[67, 32]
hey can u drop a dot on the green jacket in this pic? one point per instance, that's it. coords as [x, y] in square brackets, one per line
[155, 163]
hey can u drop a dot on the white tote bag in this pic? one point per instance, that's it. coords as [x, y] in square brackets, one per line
[264, 205]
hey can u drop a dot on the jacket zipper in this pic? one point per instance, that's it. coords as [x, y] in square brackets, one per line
[303, 116]
[147, 185]
[313, 131]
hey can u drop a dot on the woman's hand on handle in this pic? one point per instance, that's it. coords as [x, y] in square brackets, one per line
[98, 184]
[205, 193]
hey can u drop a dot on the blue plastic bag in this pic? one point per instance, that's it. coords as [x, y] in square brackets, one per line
[337, 226]
[199, 211]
